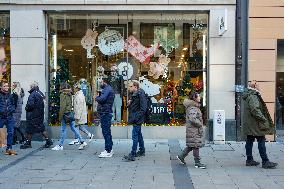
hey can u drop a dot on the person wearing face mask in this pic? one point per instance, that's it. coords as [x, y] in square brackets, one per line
[7, 108]
[194, 130]
[105, 99]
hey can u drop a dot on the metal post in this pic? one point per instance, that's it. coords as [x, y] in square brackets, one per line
[241, 58]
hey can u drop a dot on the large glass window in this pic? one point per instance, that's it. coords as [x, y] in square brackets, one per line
[166, 52]
[5, 55]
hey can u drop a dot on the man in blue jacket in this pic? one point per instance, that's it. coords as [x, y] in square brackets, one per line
[7, 108]
[105, 100]
[137, 106]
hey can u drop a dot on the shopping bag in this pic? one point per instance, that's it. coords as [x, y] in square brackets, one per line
[3, 135]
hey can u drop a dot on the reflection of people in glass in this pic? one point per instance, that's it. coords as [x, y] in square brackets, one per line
[105, 100]
[194, 130]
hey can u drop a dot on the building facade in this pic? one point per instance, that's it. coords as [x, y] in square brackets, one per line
[171, 47]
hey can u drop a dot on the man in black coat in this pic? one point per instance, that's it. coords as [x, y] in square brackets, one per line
[7, 108]
[137, 106]
[35, 116]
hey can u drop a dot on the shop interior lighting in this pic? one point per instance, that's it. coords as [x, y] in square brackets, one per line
[54, 42]
[204, 67]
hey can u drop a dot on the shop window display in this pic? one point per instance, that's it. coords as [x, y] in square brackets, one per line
[165, 52]
[5, 55]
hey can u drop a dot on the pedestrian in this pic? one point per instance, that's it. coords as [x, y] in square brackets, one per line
[105, 99]
[137, 106]
[7, 108]
[66, 115]
[194, 130]
[35, 116]
[256, 124]
[18, 95]
[80, 113]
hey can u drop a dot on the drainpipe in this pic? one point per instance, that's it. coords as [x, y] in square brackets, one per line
[241, 58]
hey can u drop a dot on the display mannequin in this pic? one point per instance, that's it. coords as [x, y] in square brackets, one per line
[116, 81]
[97, 84]
[86, 89]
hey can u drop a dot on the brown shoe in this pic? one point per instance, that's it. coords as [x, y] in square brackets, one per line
[10, 152]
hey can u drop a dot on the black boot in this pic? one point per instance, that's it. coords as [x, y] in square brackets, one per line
[198, 164]
[140, 153]
[48, 143]
[252, 163]
[27, 144]
[130, 157]
[269, 165]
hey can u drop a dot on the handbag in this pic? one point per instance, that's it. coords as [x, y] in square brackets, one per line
[3, 134]
[68, 117]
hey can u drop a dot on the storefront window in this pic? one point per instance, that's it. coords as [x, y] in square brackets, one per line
[165, 52]
[5, 56]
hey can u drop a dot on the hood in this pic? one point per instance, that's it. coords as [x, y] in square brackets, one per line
[190, 103]
[249, 91]
[34, 89]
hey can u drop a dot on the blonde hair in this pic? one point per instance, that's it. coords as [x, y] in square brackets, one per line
[33, 84]
[17, 88]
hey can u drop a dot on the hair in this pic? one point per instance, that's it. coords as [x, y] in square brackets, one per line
[193, 95]
[2, 82]
[17, 89]
[33, 84]
[65, 85]
[136, 83]
[106, 80]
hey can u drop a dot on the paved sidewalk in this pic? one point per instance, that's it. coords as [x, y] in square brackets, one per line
[159, 169]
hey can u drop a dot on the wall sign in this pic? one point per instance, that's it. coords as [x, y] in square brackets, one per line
[223, 24]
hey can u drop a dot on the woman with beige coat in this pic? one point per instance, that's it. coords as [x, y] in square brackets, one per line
[80, 113]
[194, 130]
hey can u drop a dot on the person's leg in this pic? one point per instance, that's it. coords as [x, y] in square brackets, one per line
[48, 141]
[262, 148]
[10, 131]
[108, 139]
[183, 154]
[63, 133]
[197, 159]
[249, 145]
[135, 133]
[141, 142]
[76, 131]
[84, 129]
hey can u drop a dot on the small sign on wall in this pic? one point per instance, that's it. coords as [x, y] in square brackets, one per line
[223, 24]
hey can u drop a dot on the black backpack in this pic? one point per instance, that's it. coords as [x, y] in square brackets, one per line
[149, 109]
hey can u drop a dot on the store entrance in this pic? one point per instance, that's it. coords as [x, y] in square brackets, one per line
[279, 101]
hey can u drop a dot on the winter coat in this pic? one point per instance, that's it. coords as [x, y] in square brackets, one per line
[35, 110]
[194, 124]
[105, 100]
[18, 111]
[256, 119]
[80, 108]
[137, 108]
[65, 104]
[7, 105]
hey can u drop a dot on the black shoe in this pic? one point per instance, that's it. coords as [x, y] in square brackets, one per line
[269, 165]
[140, 153]
[182, 161]
[26, 145]
[130, 157]
[252, 163]
[48, 143]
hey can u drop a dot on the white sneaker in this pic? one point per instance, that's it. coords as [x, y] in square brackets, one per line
[106, 154]
[76, 141]
[82, 146]
[57, 148]
[91, 136]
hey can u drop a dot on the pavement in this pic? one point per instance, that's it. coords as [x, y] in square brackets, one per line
[38, 168]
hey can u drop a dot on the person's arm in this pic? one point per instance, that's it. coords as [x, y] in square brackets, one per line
[103, 97]
[193, 119]
[254, 108]
[30, 103]
[143, 105]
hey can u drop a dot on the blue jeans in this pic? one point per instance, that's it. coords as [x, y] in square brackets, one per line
[74, 130]
[137, 138]
[83, 129]
[261, 147]
[9, 122]
[106, 124]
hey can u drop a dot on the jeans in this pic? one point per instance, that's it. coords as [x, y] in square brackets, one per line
[106, 124]
[116, 108]
[83, 129]
[9, 122]
[74, 130]
[261, 147]
[137, 138]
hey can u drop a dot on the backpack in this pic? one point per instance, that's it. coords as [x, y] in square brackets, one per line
[149, 109]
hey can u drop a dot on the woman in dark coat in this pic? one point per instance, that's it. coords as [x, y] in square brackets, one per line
[194, 130]
[18, 95]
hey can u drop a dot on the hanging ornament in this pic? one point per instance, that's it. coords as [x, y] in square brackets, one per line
[159, 68]
[89, 40]
[150, 88]
[136, 49]
[110, 42]
[126, 68]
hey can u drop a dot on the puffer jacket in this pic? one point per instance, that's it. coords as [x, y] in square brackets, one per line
[18, 99]
[137, 108]
[65, 104]
[194, 124]
[80, 108]
[35, 107]
[105, 100]
[7, 105]
[256, 119]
